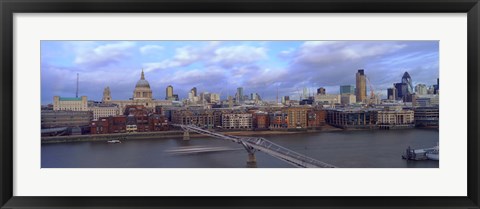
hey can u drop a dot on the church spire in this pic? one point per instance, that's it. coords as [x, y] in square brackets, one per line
[143, 76]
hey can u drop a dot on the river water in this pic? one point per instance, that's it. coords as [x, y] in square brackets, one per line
[345, 149]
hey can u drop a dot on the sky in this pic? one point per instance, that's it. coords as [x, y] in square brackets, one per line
[263, 67]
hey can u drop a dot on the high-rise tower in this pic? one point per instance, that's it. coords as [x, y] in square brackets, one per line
[194, 91]
[239, 95]
[361, 86]
[106, 95]
[169, 93]
[408, 80]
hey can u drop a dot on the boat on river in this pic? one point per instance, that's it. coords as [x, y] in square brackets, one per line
[422, 154]
[114, 141]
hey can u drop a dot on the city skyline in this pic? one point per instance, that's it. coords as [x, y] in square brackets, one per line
[261, 67]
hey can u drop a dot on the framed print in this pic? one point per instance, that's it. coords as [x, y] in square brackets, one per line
[263, 104]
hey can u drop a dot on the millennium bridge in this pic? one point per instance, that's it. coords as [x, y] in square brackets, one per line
[252, 144]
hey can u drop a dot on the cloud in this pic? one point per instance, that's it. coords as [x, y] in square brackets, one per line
[184, 56]
[238, 55]
[211, 54]
[197, 76]
[314, 52]
[104, 55]
[149, 49]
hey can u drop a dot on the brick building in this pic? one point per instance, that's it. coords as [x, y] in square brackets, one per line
[261, 120]
[107, 125]
[316, 118]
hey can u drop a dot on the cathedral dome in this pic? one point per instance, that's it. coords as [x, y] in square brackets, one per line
[142, 83]
[142, 89]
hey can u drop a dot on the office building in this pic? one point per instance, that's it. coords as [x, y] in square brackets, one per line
[361, 86]
[421, 89]
[70, 103]
[321, 91]
[392, 93]
[347, 89]
[169, 93]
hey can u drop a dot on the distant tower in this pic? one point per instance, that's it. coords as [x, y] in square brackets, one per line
[239, 95]
[347, 89]
[230, 101]
[392, 93]
[321, 91]
[361, 86]
[169, 93]
[106, 95]
[76, 94]
[194, 91]
[408, 80]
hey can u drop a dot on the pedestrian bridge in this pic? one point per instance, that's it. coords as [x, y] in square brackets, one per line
[252, 144]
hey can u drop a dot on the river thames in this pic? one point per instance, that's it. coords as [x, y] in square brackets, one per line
[345, 149]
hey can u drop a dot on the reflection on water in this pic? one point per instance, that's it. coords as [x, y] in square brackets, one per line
[346, 149]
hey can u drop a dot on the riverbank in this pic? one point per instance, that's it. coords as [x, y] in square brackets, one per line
[175, 134]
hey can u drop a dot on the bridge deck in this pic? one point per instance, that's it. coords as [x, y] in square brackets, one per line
[266, 146]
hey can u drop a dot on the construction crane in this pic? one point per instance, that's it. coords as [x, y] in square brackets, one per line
[373, 97]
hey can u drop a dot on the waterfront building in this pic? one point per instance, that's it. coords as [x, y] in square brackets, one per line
[158, 122]
[316, 118]
[352, 118]
[361, 86]
[137, 118]
[347, 89]
[394, 118]
[421, 89]
[65, 118]
[327, 99]
[426, 116]
[297, 117]
[104, 110]
[260, 120]
[347, 99]
[201, 118]
[107, 125]
[70, 103]
[278, 120]
[321, 91]
[237, 121]
[169, 93]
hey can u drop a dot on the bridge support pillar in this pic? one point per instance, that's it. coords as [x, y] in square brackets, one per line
[186, 135]
[251, 161]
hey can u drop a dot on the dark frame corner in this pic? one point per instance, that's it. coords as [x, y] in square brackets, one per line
[9, 7]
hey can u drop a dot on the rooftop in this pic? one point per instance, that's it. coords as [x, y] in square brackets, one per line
[70, 99]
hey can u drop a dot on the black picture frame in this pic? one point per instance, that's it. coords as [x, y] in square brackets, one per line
[10, 7]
